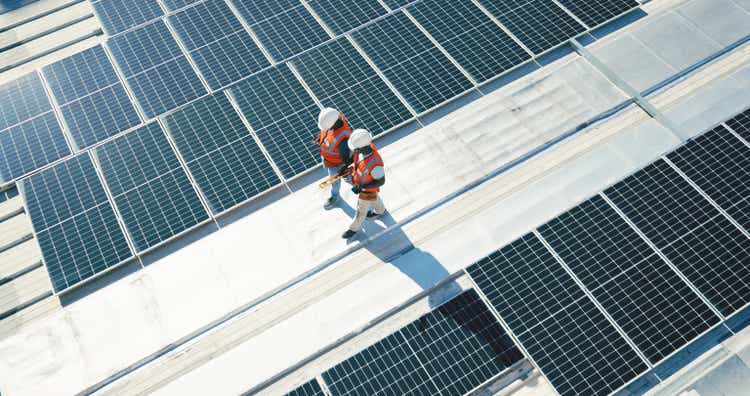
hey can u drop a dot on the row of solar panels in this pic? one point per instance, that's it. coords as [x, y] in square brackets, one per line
[235, 143]
[156, 62]
[597, 297]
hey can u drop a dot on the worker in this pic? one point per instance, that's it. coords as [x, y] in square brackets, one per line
[368, 176]
[333, 141]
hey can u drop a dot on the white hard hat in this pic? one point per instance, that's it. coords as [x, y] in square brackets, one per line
[327, 118]
[359, 138]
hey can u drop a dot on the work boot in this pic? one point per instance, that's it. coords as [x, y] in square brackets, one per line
[372, 215]
[330, 203]
[348, 234]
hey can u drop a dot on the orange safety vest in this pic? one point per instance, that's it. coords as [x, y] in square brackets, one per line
[362, 173]
[330, 141]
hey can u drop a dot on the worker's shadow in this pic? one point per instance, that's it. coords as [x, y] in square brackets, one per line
[394, 247]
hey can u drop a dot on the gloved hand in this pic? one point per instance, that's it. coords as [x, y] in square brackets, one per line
[356, 189]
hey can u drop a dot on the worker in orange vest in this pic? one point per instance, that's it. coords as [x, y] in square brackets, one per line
[333, 141]
[368, 175]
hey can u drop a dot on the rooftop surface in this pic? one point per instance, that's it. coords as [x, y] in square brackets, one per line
[268, 296]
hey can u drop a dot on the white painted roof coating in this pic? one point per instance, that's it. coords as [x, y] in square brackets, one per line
[293, 240]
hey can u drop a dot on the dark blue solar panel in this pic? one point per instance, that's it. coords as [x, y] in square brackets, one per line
[581, 353]
[91, 97]
[222, 49]
[75, 225]
[715, 257]
[117, 15]
[473, 39]
[283, 116]
[423, 75]
[284, 27]
[655, 308]
[539, 24]
[344, 15]
[30, 146]
[661, 203]
[220, 152]
[356, 90]
[311, 388]
[149, 186]
[22, 99]
[525, 283]
[595, 12]
[719, 163]
[449, 351]
[159, 75]
[595, 242]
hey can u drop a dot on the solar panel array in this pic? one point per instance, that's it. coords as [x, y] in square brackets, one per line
[449, 351]
[642, 269]
[169, 64]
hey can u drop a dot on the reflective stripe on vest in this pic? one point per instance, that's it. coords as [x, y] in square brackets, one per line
[363, 169]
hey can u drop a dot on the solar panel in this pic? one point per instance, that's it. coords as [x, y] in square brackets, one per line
[394, 4]
[75, 225]
[91, 97]
[539, 24]
[595, 242]
[311, 388]
[418, 70]
[655, 308]
[149, 186]
[661, 203]
[283, 116]
[158, 73]
[22, 99]
[343, 15]
[173, 5]
[355, 89]
[449, 351]
[575, 346]
[741, 124]
[719, 164]
[117, 16]
[581, 353]
[595, 12]
[474, 40]
[285, 27]
[525, 283]
[715, 257]
[219, 44]
[31, 145]
[227, 164]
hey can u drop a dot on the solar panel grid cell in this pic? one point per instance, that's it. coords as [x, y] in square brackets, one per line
[661, 203]
[31, 145]
[92, 99]
[221, 154]
[149, 186]
[311, 388]
[159, 75]
[343, 15]
[418, 70]
[655, 308]
[719, 164]
[474, 40]
[595, 12]
[580, 351]
[285, 28]
[22, 99]
[342, 79]
[525, 283]
[222, 49]
[539, 24]
[117, 15]
[283, 116]
[75, 225]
